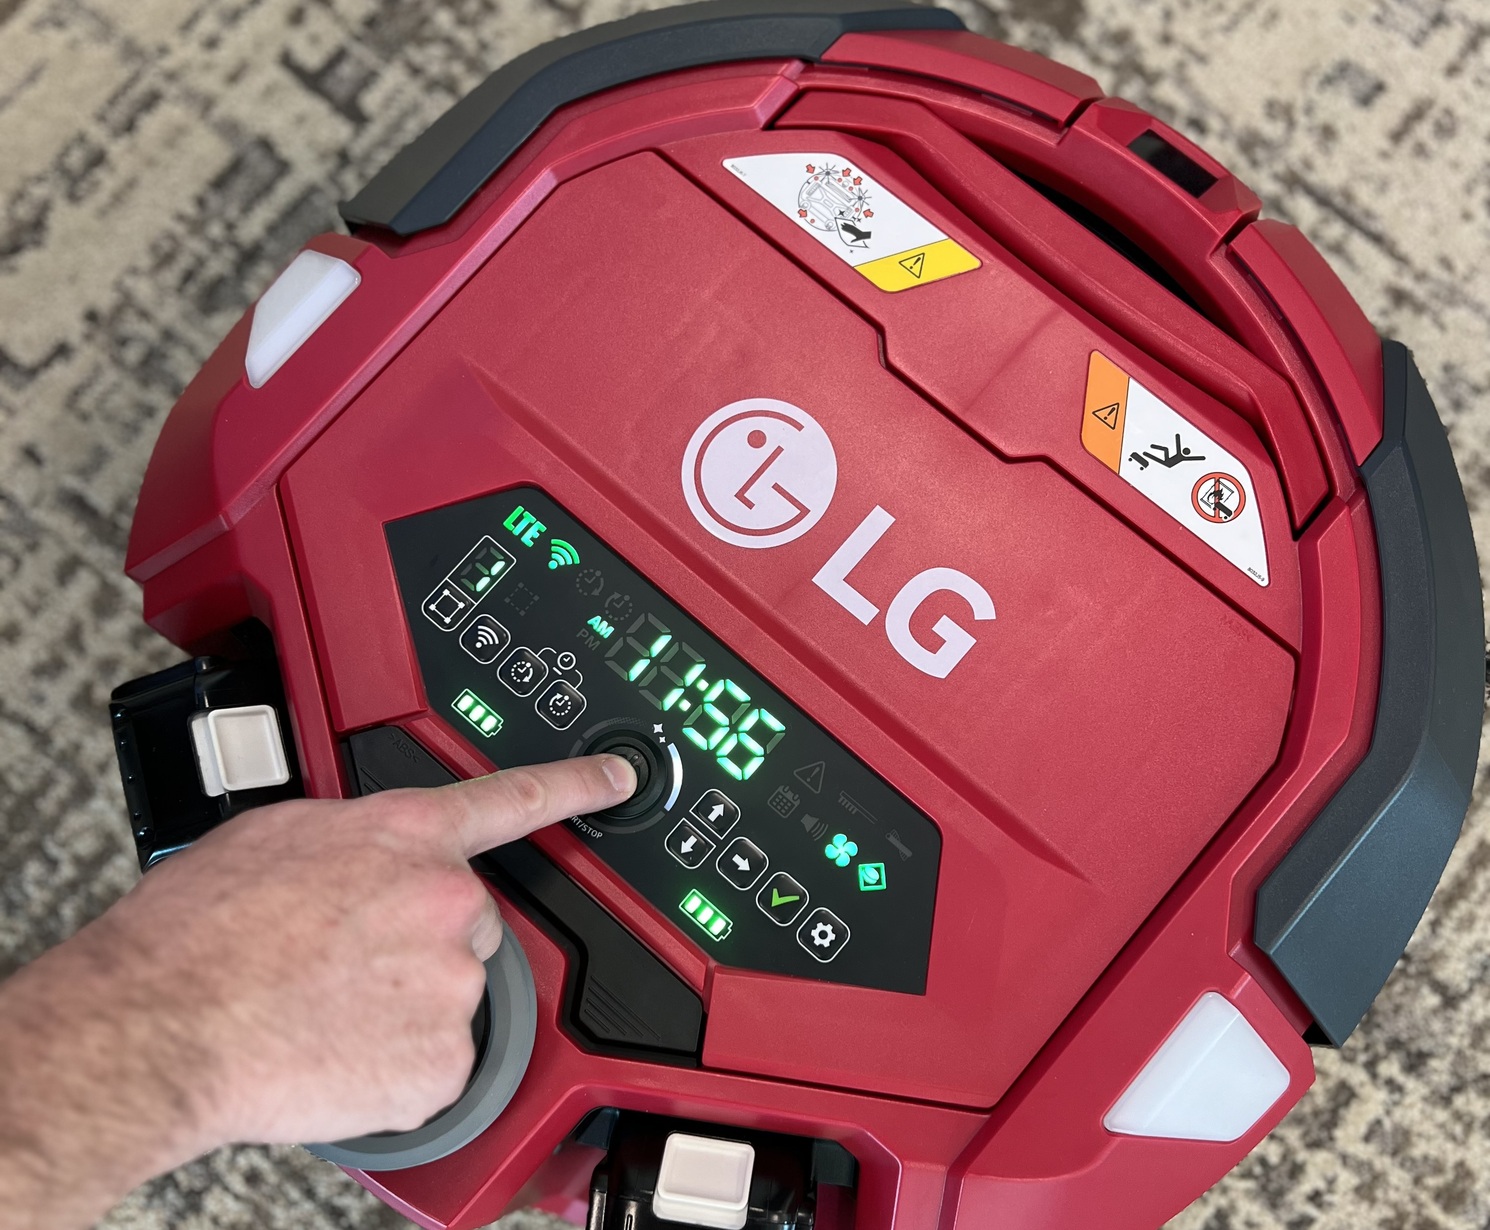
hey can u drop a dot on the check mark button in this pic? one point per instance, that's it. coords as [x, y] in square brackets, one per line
[782, 899]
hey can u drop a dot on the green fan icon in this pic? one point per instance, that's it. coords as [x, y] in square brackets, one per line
[841, 849]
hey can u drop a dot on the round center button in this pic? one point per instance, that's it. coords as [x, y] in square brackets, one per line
[653, 773]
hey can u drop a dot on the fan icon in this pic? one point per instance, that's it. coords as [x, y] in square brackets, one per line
[840, 850]
[823, 935]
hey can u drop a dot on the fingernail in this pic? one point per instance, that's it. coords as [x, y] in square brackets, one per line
[620, 774]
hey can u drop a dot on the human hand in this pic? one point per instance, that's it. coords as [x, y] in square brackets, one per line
[308, 971]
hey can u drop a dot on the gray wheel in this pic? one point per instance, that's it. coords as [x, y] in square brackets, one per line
[512, 1023]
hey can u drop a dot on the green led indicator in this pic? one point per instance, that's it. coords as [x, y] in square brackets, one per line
[526, 528]
[841, 850]
[561, 554]
[871, 877]
[478, 713]
[706, 914]
[599, 625]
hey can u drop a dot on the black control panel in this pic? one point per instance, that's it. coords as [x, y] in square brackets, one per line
[769, 844]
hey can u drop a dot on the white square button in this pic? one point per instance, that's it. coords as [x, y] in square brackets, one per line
[704, 1182]
[239, 749]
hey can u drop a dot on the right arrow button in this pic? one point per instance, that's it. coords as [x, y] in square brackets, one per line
[742, 863]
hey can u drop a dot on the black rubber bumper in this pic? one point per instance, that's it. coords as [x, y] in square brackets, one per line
[1337, 912]
[433, 176]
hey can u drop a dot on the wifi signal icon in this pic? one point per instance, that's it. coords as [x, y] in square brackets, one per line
[561, 554]
[484, 639]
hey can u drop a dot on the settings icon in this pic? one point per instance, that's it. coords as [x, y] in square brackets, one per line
[823, 935]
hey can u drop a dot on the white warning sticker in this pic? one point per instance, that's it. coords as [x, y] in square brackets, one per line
[857, 219]
[1175, 464]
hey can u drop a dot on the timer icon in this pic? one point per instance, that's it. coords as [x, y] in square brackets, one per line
[523, 671]
[561, 705]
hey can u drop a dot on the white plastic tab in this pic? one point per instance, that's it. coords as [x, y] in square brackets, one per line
[704, 1182]
[239, 749]
[299, 302]
[1213, 1079]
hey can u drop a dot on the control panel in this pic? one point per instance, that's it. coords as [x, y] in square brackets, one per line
[767, 843]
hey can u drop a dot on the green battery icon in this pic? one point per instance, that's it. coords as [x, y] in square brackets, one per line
[476, 711]
[710, 919]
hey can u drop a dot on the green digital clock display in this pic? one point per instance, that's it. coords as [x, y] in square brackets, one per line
[673, 677]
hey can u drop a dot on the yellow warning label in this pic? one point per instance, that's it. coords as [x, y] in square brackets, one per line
[942, 259]
[1102, 421]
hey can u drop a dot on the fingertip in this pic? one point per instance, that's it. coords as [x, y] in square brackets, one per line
[620, 774]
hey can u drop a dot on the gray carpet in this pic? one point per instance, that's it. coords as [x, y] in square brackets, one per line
[159, 161]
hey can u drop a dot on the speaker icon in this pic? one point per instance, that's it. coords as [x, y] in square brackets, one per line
[816, 829]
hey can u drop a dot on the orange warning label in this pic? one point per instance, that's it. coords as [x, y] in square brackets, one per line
[1106, 408]
[1156, 450]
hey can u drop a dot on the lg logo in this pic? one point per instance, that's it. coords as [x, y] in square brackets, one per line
[760, 473]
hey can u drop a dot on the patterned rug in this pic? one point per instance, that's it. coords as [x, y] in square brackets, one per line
[160, 160]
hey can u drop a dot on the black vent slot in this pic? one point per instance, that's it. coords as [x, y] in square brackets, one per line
[1176, 166]
[1114, 239]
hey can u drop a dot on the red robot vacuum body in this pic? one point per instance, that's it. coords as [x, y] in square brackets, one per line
[1041, 608]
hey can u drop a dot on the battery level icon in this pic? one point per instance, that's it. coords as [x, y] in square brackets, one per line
[707, 915]
[476, 711]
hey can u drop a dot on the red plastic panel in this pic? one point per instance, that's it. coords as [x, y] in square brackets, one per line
[1074, 684]
[250, 574]
[1008, 356]
[1090, 162]
[1045, 1160]
[1342, 344]
[1023, 77]
[1088, 270]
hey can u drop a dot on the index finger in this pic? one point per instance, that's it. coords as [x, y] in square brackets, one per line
[489, 811]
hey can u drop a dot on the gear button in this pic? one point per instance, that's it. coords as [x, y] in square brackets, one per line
[823, 935]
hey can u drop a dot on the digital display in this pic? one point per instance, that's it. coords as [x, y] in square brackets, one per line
[721, 720]
[768, 843]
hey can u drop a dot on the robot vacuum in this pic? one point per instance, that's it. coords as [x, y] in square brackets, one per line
[1041, 609]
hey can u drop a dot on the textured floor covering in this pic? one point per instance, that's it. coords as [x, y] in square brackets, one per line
[159, 160]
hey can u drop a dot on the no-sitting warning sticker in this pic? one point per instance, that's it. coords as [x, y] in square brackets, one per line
[858, 220]
[1176, 465]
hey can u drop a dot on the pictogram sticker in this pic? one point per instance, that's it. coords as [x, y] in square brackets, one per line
[1153, 448]
[1219, 498]
[857, 219]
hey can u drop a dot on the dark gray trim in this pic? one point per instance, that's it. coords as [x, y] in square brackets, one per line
[433, 176]
[1339, 909]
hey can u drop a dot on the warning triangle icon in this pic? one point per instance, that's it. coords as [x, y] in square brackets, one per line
[1107, 415]
[811, 776]
[913, 265]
